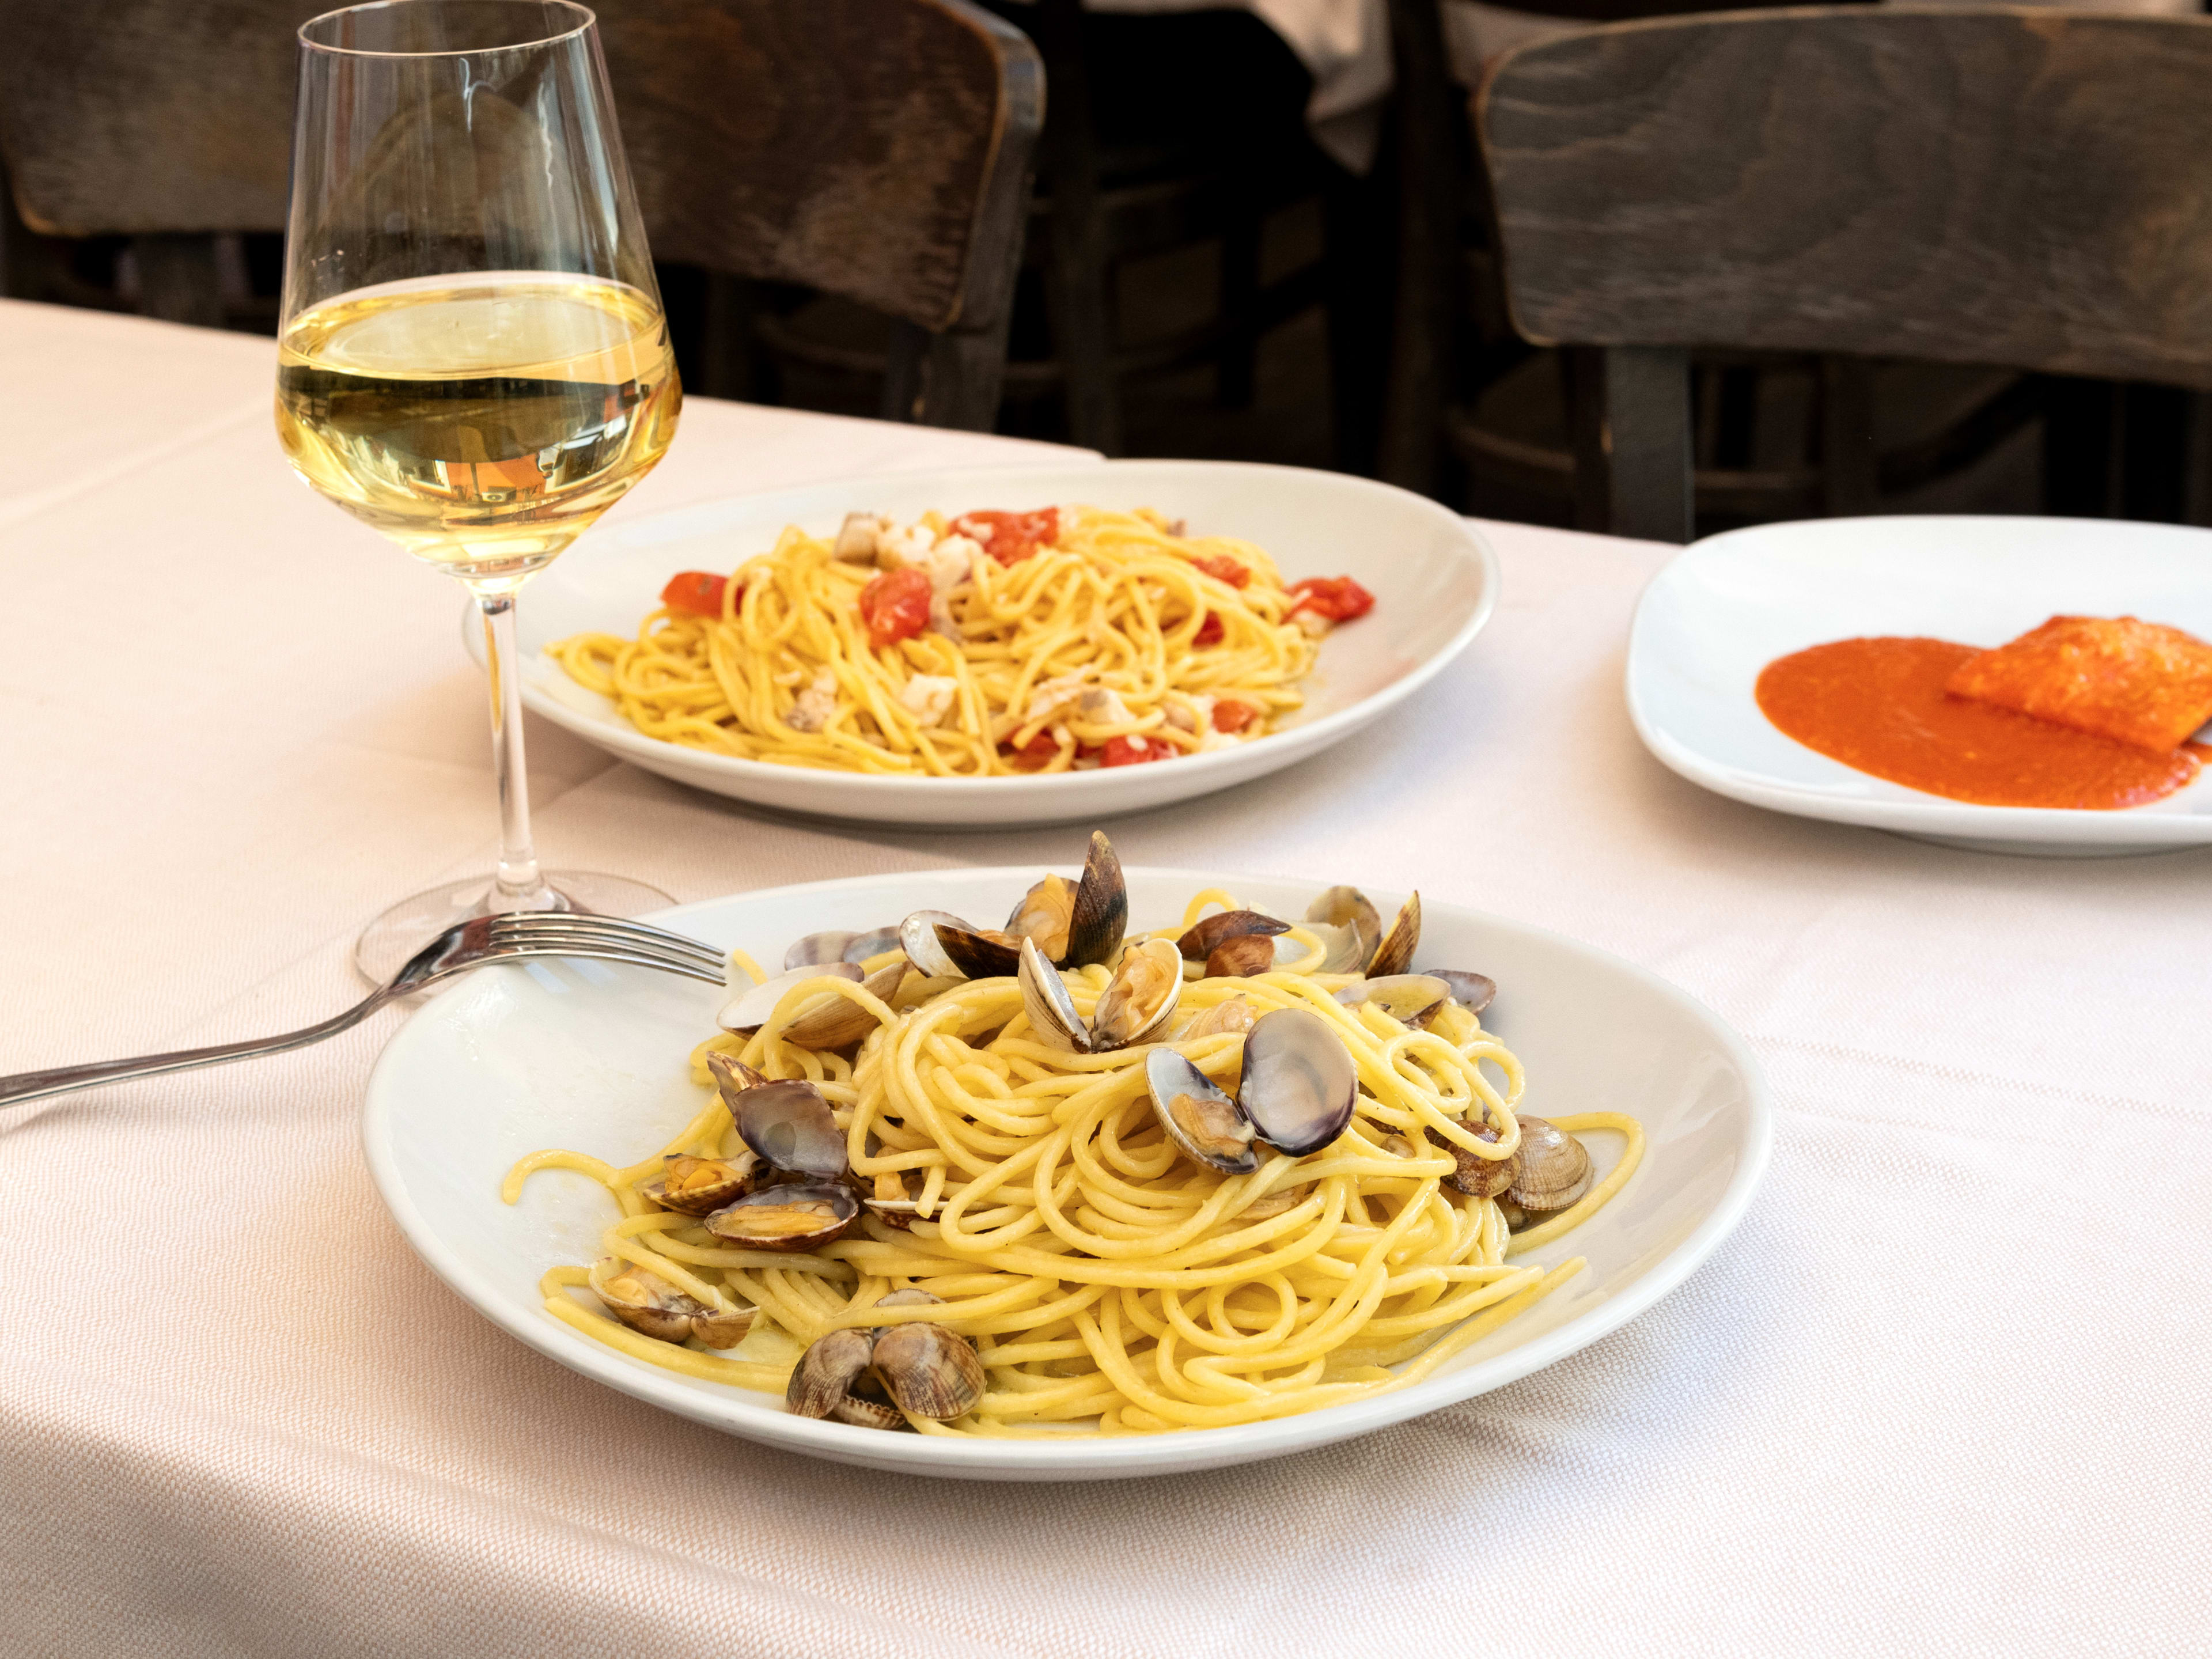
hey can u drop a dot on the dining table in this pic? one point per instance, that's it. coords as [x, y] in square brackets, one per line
[1947, 1389]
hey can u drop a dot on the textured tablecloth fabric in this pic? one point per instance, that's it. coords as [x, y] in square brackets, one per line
[1946, 1391]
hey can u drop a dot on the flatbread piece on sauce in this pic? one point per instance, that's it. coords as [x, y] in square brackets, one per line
[2138, 681]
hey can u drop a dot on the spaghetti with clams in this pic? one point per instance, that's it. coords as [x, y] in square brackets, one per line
[1052, 1176]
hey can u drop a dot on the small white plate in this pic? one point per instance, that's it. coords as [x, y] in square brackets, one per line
[1731, 604]
[1434, 578]
[594, 1057]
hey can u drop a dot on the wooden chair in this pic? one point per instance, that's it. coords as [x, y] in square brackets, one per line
[2019, 189]
[879, 150]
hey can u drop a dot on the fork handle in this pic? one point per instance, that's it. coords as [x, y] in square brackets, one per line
[27, 1086]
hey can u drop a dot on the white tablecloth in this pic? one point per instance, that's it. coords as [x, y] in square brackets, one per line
[1948, 1390]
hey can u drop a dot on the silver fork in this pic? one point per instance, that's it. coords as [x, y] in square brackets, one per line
[471, 945]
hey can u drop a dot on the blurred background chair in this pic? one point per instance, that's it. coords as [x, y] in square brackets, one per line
[1998, 188]
[876, 149]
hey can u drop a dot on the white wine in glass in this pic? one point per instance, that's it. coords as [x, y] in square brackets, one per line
[473, 358]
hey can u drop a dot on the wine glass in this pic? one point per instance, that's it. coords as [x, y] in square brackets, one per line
[472, 356]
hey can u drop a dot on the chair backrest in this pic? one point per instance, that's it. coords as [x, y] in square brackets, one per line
[2022, 188]
[876, 149]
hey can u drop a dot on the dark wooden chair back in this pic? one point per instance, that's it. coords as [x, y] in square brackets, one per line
[2022, 188]
[876, 149]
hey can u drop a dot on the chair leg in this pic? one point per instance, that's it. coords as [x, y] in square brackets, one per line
[1582, 374]
[2196, 461]
[1647, 412]
[906, 372]
[179, 280]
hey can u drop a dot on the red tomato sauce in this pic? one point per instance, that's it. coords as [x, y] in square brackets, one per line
[1879, 705]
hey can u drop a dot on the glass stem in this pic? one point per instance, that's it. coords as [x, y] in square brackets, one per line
[519, 886]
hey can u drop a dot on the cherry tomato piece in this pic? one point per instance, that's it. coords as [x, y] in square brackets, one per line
[1209, 631]
[1010, 537]
[1233, 716]
[698, 593]
[1039, 752]
[1223, 568]
[895, 605]
[1134, 751]
[1340, 599]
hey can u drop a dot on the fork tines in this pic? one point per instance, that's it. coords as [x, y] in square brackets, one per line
[550, 931]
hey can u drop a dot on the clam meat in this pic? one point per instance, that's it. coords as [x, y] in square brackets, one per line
[1204, 1120]
[694, 1186]
[1241, 956]
[1139, 997]
[1209, 933]
[1233, 1016]
[797, 1216]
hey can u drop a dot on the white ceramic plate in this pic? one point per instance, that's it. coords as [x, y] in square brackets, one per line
[1434, 578]
[593, 1057]
[1731, 604]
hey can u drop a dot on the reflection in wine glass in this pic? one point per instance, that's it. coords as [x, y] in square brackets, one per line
[473, 357]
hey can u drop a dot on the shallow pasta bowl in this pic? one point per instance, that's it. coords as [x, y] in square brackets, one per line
[1434, 578]
[594, 1057]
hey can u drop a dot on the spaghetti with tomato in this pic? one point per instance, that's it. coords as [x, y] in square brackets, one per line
[989, 644]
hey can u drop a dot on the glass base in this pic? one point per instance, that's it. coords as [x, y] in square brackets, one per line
[386, 944]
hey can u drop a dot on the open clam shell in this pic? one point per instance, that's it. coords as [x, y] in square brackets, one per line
[1200, 1118]
[1395, 955]
[733, 1077]
[1552, 1169]
[695, 1185]
[917, 936]
[1349, 927]
[1412, 1000]
[1100, 918]
[798, 1216]
[840, 946]
[1139, 997]
[1477, 1177]
[891, 1201]
[750, 1009]
[646, 1302]
[789, 1126]
[1299, 1081]
[1473, 992]
[1209, 933]
[1045, 999]
[976, 955]
[837, 1021]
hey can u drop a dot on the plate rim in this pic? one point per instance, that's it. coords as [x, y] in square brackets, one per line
[1320, 734]
[1934, 816]
[1078, 1457]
